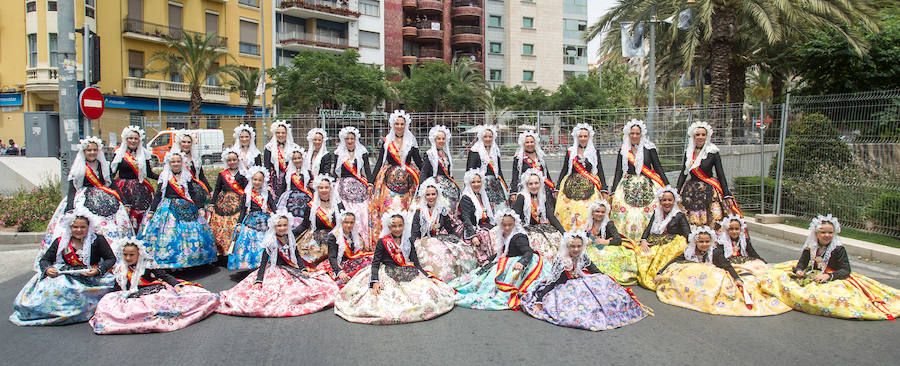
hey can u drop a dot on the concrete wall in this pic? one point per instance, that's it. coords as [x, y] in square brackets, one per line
[18, 173]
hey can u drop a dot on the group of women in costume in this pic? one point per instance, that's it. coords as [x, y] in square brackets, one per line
[404, 242]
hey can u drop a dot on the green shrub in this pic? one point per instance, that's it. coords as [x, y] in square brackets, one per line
[885, 212]
[812, 143]
[30, 210]
[746, 189]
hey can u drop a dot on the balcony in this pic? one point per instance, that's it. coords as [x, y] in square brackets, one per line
[410, 4]
[409, 32]
[299, 41]
[256, 102]
[431, 52]
[467, 35]
[334, 10]
[430, 35]
[147, 88]
[409, 59]
[42, 80]
[430, 7]
[139, 29]
[466, 10]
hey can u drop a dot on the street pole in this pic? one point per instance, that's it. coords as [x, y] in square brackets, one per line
[785, 109]
[651, 98]
[86, 68]
[262, 60]
[68, 91]
[762, 159]
[159, 105]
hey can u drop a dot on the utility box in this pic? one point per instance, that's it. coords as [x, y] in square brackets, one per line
[42, 134]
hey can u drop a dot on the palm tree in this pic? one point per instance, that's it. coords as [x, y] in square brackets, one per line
[245, 80]
[194, 57]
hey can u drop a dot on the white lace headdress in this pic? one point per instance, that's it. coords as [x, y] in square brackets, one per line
[590, 152]
[626, 145]
[405, 242]
[66, 237]
[78, 168]
[195, 148]
[538, 151]
[231, 150]
[526, 196]
[289, 153]
[316, 202]
[588, 226]
[409, 141]
[252, 151]
[432, 152]
[503, 241]
[690, 162]
[563, 261]
[338, 233]
[263, 191]
[183, 178]
[726, 240]
[441, 206]
[272, 145]
[690, 252]
[480, 200]
[343, 154]
[141, 154]
[270, 239]
[120, 270]
[812, 242]
[660, 219]
[312, 165]
[492, 156]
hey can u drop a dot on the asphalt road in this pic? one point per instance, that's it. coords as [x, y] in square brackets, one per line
[674, 336]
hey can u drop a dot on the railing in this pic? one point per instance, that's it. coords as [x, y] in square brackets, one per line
[45, 74]
[318, 39]
[466, 29]
[575, 60]
[426, 52]
[475, 57]
[339, 7]
[164, 31]
[461, 3]
[173, 90]
[253, 3]
[248, 48]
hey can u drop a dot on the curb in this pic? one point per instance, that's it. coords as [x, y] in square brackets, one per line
[858, 248]
[21, 238]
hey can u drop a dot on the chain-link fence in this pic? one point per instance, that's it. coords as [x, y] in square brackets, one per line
[845, 163]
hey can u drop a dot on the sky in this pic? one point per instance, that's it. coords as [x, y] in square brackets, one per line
[596, 8]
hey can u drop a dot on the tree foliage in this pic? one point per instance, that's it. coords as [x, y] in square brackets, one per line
[439, 87]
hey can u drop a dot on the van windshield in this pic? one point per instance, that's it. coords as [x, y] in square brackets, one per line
[161, 140]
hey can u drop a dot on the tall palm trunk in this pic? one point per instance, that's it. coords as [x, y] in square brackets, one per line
[737, 82]
[194, 109]
[720, 50]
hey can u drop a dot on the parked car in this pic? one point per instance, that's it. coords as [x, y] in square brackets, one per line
[210, 144]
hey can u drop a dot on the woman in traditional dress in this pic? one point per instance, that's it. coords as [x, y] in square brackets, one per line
[193, 163]
[572, 298]
[316, 159]
[175, 231]
[639, 175]
[535, 207]
[346, 254]
[477, 216]
[297, 196]
[822, 283]
[225, 210]
[664, 238]
[131, 170]
[71, 277]
[146, 300]
[605, 247]
[498, 284]
[280, 287]
[706, 199]
[440, 249]
[312, 244]
[395, 178]
[351, 167]
[275, 157]
[256, 207]
[530, 156]
[485, 155]
[90, 189]
[703, 279]
[735, 241]
[394, 289]
[245, 145]
[437, 163]
[581, 180]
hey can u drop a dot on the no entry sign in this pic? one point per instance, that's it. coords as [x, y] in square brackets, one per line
[91, 103]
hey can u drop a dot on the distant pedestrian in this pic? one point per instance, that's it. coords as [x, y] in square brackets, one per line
[12, 149]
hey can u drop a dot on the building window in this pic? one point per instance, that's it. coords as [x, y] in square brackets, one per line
[135, 64]
[496, 47]
[32, 50]
[369, 39]
[213, 122]
[575, 7]
[175, 17]
[31, 7]
[212, 80]
[527, 75]
[52, 52]
[175, 77]
[496, 75]
[574, 28]
[248, 44]
[51, 6]
[573, 74]
[528, 22]
[575, 55]
[253, 3]
[369, 7]
[495, 21]
[528, 49]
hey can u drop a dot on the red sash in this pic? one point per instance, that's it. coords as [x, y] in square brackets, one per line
[491, 165]
[527, 160]
[324, 217]
[534, 212]
[259, 200]
[876, 302]
[395, 154]
[281, 163]
[447, 173]
[353, 170]
[348, 251]
[650, 173]
[142, 282]
[179, 190]
[580, 169]
[95, 181]
[715, 183]
[286, 259]
[232, 182]
[295, 179]
[128, 158]
[394, 250]
[513, 290]
[199, 182]
[71, 257]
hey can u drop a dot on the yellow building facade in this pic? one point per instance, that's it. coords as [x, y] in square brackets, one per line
[130, 32]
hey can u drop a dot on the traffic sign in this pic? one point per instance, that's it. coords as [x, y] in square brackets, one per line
[91, 103]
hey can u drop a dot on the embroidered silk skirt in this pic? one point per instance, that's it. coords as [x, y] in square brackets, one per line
[633, 203]
[285, 292]
[351, 266]
[594, 302]
[703, 204]
[248, 242]
[615, 260]
[855, 297]
[177, 236]
[355, 197]
[478, 289]
[394, 188]
[544, 239]
[450, 189]
[496, 192]
[446, 256]
[223, 219]
[64, 299]
[137, 196]
[663, 249]
[153, 308]
[406, 296]
[574, 200]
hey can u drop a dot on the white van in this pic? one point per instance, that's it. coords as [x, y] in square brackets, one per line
[210, 144]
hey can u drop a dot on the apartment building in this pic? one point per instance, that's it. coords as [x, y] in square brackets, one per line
[535, 43]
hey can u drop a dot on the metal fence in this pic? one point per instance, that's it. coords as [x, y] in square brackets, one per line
[862, 190]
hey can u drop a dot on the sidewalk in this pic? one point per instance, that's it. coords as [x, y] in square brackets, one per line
[857, 248]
